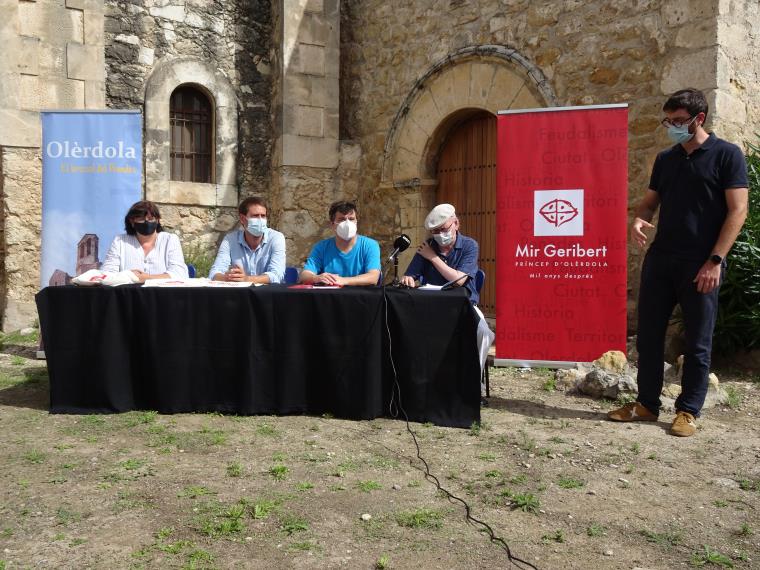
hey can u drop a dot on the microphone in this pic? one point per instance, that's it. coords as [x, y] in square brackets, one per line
[450, 284]
[402, 242]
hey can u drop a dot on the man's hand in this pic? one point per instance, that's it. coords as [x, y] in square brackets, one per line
[235, 273]
[708, 277]
[328, 279]
[637, 231]
[426, 251]
[408, 281]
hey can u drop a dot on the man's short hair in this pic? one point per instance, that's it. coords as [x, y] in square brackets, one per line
[140, 210]
[252, 201]
[342, 206]
[693, 100]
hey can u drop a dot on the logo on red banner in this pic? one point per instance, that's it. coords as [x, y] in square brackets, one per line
[558, 213]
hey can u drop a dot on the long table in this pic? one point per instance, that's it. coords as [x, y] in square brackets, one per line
[262, 350]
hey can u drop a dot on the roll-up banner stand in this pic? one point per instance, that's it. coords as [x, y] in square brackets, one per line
[562, 198]
[91, 175]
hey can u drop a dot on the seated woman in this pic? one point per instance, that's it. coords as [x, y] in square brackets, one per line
[146, 249]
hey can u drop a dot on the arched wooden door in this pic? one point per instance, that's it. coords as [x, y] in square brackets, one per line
[467, 179]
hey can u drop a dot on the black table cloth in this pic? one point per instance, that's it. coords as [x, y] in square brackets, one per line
[261, 350]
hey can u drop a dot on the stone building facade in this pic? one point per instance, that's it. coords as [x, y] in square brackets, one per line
[316, 100]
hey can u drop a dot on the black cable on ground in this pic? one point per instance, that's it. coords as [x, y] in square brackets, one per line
[394, 407]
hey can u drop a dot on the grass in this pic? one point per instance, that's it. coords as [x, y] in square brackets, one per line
[556, 536]
[262, 509]
[195, 491]
[35, 456]
[525, 502]
[420, 518]
[570, 483]
[487, 457]
[595, 530]
[735, 397]
[279, 472]
[666, 539]
[494, 474]
[368, 486]
[234, 469]
[132, 464]
[304, 486]
[219, 521]
[291, 524]
[383, 562]
[745, 530]
[710, 556]
[267, 430]
[550, 385]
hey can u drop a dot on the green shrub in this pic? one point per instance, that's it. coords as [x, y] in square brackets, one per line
[201, 258]
[738, 323]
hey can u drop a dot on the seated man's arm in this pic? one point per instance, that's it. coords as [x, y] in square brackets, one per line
[313, 266]
[468, 264]
[221, 264]
[369, 278]
[275, 270]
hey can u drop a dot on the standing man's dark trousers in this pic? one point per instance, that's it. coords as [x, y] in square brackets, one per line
[666, 281]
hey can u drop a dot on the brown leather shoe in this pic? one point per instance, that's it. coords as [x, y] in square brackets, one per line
[632, 412]
[684, 425]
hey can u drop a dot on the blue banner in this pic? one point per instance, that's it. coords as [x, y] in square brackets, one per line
[91, 175]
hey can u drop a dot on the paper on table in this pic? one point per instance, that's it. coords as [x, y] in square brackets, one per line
[431, 287]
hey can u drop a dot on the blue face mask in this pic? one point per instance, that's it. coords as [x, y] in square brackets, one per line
[680, 134]
[256, 226]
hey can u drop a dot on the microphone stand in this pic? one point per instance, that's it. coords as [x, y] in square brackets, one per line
[395, 282]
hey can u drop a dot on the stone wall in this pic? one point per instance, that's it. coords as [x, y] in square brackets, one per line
[232, 41]
[737, 100]
[51, 58]
[590, 53]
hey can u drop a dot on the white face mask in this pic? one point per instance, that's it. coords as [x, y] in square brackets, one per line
[256, 226]
[346, 229]
[444, 238]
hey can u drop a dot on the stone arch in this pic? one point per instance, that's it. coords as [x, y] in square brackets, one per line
[496, 78]
[167, 75]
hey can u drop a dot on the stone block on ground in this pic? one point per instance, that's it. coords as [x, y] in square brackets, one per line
[612, 360]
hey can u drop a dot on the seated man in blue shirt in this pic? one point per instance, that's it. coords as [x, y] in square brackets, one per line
[347, 258]
[254, 253]
[448, 256]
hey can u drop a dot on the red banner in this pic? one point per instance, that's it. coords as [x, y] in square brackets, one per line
[562, 198]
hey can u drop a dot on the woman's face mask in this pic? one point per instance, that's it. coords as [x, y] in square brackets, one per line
[145, 228]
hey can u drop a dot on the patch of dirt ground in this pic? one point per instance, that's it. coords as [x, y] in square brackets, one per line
[563, 487]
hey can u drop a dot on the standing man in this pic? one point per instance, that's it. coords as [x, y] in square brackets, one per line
[346, 259]
[253, 253]
[450, 256]
[700, 185]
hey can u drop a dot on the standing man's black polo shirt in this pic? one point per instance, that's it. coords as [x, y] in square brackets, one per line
[692, 195]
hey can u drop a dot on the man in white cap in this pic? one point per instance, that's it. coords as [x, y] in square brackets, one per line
[447, 257]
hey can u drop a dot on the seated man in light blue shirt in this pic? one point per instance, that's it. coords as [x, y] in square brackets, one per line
[254, 253]
[347, 258]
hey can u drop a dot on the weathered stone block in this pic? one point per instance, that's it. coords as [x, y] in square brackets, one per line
[75, 4]
[311, 59]
[315, 6]
[85, 62]
[406, 165]
[309, 121]
[315, 30]
[93, 26]
[693, 68]
[28, 57]
[94, 95]
[303, 151]
[481, 78]
[173, 13]
[20, 128]
[504, 88]
[226, 195]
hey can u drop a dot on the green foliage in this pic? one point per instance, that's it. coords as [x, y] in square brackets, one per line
[234, 469]
[595, 530]
[292, 524]
[382, 562]
[738, 323]
[367, 486]
[712, 557]
[201, 258]
[570, 483]
[279, 472]
[421, 518]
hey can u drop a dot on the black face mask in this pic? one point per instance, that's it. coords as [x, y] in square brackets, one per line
[145, 228]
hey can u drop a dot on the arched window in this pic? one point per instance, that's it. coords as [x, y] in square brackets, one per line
[191, 118]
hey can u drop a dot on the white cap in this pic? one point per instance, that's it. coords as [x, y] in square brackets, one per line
[439, 215]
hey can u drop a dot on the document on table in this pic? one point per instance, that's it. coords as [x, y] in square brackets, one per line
[427, 287]
[197, 282]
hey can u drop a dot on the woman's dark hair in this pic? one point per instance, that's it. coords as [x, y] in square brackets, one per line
[139, 210]
[693, 100]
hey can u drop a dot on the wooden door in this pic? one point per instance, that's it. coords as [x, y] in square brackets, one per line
[467, 179]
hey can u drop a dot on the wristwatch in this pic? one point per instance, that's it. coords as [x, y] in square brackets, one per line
[716, 259]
